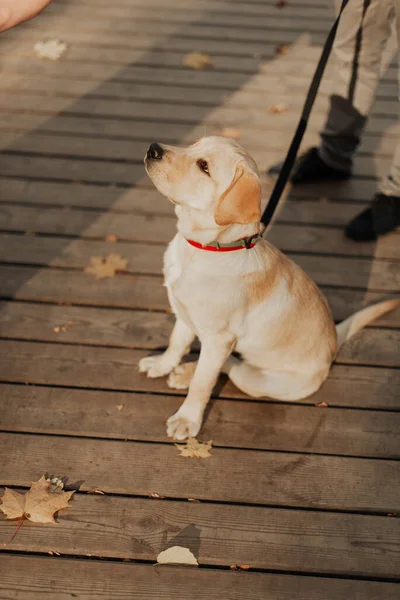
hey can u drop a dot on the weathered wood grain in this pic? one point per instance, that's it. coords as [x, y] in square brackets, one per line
[116, 369]
[257, 425]
[38, 578]
[284, 479]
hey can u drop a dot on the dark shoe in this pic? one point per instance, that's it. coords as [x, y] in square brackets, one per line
[310, 167]
[381, 217]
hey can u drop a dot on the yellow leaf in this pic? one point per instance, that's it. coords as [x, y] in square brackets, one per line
[197, 60]
[278, 108]
[177, 555]
[106, 267]
[195, 449]
[39, 504]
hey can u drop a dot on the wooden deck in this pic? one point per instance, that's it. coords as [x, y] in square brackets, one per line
[303, 494]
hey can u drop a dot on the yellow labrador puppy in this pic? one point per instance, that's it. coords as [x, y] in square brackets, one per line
[234, 290]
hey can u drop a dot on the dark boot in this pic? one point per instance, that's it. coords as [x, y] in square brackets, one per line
[310, 167]
[381, 217]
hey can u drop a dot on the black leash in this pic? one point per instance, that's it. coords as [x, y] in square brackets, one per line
[302, 126]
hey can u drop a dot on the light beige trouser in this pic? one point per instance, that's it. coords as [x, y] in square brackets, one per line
[364, 29]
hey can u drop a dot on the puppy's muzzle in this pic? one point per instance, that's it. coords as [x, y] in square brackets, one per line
[155, 152]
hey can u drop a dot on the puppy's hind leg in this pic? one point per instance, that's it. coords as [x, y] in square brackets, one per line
[181, 376]
[280, 385]
[179, 344]
[248, 379]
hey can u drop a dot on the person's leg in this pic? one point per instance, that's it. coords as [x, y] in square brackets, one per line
[362, 34]
[383, 215]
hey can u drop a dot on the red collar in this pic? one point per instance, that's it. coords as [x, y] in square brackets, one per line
[243, 243]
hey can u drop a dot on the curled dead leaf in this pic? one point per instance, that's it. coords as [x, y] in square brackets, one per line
[195, 449]
[322, 405]
[96, 491]
[106, 267]
[156, 496]
[197, 60]
[193, 500]
[177, 555]
[278, 108]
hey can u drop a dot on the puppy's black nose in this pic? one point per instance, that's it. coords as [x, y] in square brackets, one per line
[155, 152]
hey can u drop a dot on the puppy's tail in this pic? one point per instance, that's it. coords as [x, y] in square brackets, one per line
[347, 328]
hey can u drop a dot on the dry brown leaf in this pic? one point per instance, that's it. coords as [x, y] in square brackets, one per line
[197, 60]
[39, 504]
[282, 49]
[322, 405]
[111, 238]
[278, 108]
[156, 496]
[97, 491]
[195, 449]
[230, 132]
[53, 553]
[240, 567]
[177, 555]
[193, 500]
[106, 267]
[119, 406]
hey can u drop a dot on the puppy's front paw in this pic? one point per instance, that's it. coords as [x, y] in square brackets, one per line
[181, 376]
[155, 366]
[183, 425]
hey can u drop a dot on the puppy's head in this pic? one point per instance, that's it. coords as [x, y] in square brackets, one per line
[214, 175]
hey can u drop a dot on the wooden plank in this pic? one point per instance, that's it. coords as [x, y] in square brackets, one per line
[151, 330]
[115, 90]
[270, 17]
[255, 425]
[136, 292]
[274, 478]
[115, 369]
[147, 200]
[152, 225]
[285, 232]
[131, 151]
[178, 133]
[257, 118]
[219, 535]
[29, 577]
[146, 259]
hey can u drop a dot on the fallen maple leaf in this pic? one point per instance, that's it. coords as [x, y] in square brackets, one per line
[195, 449]
[51, 49]
[106, 267]
[230, 132]
[282, 49]
[322, 405]
[39, 504]
[177, 555]
[197, 60]
[278, 108]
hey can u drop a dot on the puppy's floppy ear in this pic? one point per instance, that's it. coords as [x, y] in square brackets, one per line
[240, 203]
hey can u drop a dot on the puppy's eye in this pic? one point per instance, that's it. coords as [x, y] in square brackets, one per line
[203, 166]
